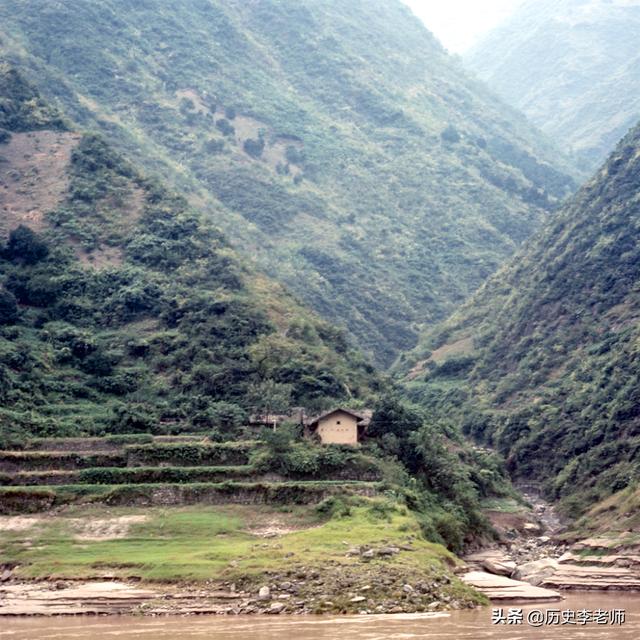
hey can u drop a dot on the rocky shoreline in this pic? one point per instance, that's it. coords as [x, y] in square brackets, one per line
[376, 586]
[531, 563]
[534, 558]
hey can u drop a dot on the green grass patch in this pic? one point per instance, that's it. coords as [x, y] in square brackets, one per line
[214, 542]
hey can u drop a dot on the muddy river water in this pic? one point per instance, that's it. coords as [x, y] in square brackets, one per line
[461, 625]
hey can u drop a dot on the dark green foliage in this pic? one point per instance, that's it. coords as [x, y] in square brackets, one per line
[450, 135]
[25, 246]
[166, 336]
[11, 461]
[254, 147]
[21, 107]
[225, 127]
[285, 453]
[8, 308]
[448, 477]
[142, 475]
[189, 455]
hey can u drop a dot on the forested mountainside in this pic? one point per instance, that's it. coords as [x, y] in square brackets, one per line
[336, 143]
[544, 362]
[573, 66]
[122, 309]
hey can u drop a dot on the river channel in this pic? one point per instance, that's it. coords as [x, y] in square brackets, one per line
[458, 625]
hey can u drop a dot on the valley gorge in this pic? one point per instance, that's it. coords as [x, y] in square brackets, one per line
[298, 317]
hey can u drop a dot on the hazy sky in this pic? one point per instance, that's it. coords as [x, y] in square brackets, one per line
[457, 23]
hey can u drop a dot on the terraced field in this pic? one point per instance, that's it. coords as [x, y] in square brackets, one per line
[141, 470]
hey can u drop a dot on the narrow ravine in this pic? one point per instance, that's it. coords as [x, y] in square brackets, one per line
[536, 560]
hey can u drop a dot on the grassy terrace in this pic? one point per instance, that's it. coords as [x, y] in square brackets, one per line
[126, 475]
[29, 499]
[233, 542]
[183, 520]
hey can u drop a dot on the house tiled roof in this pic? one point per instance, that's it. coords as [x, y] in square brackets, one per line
[363, 417]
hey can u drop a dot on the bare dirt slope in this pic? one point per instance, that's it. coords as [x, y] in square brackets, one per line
[33, 177]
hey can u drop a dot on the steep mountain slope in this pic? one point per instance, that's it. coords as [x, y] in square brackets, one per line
[573, 66]
[123, 310]
[336, 143]
[544, 362]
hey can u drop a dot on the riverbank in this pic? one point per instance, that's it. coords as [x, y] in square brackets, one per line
[537, 551]
[468, 624]
[336, 557]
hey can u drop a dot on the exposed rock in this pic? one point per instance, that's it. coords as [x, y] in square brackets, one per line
[276, 607]
[499, 588]
[499, 568]
[537, 571]
[264, 593]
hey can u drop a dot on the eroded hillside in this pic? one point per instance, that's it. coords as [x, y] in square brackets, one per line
[122, 309]
[337, 144]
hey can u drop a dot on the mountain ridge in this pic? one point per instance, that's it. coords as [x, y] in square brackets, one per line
[571, 66]
[542, 362]
[378, 183]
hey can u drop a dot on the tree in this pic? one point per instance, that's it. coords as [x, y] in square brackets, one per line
[269, 397]
[225, 127]
[254, 147]
[25, 246]
[8, 307]
[391, 415]
[451, 135]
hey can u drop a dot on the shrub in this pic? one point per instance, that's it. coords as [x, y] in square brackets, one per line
[130, 418]
[25, 246]
[451, 135]
[254, 147]
[8, 307]
[225, 127]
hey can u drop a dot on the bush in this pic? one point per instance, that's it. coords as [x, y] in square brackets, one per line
[130, 418]
[225, 127]
[8, 307]
[25, 246]
[254, 147]
[451, 135]
[451, 530]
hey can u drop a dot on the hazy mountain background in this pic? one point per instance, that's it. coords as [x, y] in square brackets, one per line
[573, 66]
[371, 176]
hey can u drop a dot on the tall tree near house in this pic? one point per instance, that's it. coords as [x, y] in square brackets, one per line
[269, 398]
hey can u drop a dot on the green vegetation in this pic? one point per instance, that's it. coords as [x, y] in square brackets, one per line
[222, 543]
[550, 376]
[130, 313]
[368, 174]
[571, 67]
[21, 107]
[35, 499]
